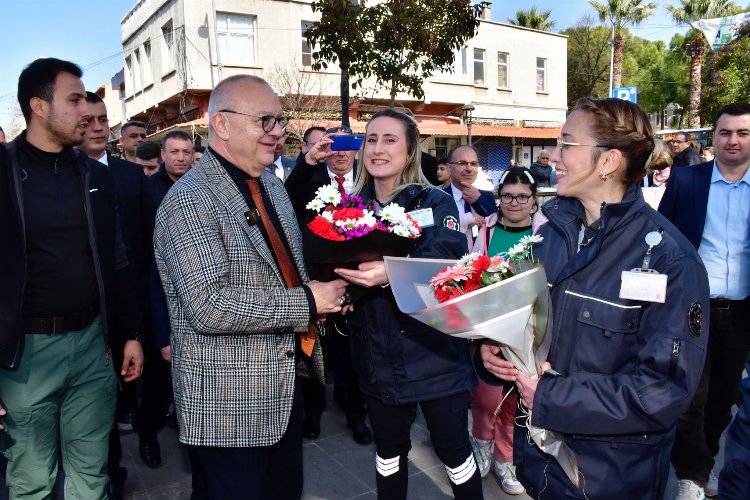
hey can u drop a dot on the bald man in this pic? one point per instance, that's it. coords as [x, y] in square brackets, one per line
[229, 253]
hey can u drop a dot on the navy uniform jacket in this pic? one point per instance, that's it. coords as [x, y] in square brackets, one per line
[627, 369]
[400, 360]
[114, 276]
[685, 200]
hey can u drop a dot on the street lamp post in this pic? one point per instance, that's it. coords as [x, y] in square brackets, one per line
[468, 108]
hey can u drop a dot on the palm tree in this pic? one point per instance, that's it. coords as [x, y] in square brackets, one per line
[534, 19]
[620, 14]
[691, 11]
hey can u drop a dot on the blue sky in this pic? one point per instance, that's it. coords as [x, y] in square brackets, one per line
[87, 32]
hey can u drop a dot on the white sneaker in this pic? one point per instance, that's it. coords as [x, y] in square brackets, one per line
[482, 453]
[689, 490]
[712, 486]
[506, 473]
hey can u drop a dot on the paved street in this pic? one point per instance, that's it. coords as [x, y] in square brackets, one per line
[336, 468]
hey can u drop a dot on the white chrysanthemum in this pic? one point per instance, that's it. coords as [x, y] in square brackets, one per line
[531, 239]
[400, 230]
[316, 204]
[368, 219]
[467, 259]
[327, 216]
[393, 213]
[517, 251]
[328, 194]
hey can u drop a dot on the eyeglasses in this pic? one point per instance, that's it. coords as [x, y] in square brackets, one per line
[463, 163]
[521, 199]
[675, 141]
[267, 122]
[565, 144]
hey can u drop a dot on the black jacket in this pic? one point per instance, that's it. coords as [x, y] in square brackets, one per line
[398, 359]
[114, 276]
[134, 206]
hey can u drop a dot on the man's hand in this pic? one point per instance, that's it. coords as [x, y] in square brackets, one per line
[471, 194]
[166, 353]
[368, 274]
[132, 363]
[327, 295]
[320, 150]
[2, 414]
[527, 386]
[496, 365]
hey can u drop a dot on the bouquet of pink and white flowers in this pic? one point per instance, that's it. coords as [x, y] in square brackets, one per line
[475, 271]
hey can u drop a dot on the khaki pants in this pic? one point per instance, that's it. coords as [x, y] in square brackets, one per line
[60, 402]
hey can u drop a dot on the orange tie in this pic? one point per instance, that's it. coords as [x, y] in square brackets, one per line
[289, 271]
[341, 180]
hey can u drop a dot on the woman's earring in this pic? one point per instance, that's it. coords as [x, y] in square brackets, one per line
[603, 176]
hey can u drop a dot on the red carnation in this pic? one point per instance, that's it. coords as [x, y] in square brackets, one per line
[321, 227]
[471, 286]
[347, 213]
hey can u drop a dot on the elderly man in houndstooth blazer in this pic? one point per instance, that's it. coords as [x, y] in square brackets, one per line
[237, 328]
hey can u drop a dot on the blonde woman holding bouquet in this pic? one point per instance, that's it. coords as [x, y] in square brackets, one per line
[401, 362]
[629, 299]
[493, 410]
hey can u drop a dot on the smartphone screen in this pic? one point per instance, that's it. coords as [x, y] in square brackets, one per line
[349, 142]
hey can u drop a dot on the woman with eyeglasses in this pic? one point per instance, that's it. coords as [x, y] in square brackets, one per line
[628, 334]
[493, 414]
[400, 361]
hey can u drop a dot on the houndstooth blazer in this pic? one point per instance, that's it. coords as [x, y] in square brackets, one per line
[232, 317]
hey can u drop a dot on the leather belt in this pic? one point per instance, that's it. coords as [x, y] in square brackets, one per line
[726, 304]
[54, 325]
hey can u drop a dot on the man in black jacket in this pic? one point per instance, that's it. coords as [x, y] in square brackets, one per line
[66, 284]
[683, 154]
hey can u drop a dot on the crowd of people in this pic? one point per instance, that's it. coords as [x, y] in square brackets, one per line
[184, 266]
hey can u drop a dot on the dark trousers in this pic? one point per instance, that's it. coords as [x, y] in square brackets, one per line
[700, 427]
[264, 472]
[345, 381]
[447, 420]
[157, 393]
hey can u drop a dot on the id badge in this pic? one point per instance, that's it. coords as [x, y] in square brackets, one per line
[643, 284]
[423, 217]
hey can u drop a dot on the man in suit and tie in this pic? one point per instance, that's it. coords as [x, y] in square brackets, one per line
[319, 167]
[281, 166]
[229, 253]
[132, 203]
[710, 204]
[472, 203]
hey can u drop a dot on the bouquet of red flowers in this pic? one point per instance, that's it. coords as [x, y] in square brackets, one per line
[345, 231]
[345, 217]
[475, 271]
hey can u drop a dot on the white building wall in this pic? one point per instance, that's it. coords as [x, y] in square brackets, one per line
[278, 43]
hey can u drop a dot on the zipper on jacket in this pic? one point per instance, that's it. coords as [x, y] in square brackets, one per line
[94, 253]
[674, 357]
[12, 150]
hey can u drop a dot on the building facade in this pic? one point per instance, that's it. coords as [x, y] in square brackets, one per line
[512, 79]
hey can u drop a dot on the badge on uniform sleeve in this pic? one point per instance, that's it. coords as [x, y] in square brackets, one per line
[695, 318]
[451, 223]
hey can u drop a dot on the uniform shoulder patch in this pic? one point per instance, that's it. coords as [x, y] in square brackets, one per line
[451, 223]
[695, 318]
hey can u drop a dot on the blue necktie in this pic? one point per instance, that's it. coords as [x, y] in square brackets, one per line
[467, 207]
